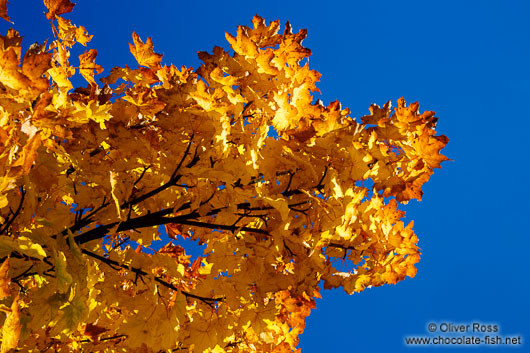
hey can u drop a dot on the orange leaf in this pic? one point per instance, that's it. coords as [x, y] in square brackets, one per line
[3, 10]
[172, 250]
[58, 7]
[93, 331]
[143, 53]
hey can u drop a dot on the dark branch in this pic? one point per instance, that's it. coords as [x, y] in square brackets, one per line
[195, 158]
[24, 274]
[291, 175]
[112, 338]
[343, 247]
[319, 186]
[247, 105]
[159, 218]
[183, 158]
[232, 229]
[148, 220]
[104, 338]
[206, 300]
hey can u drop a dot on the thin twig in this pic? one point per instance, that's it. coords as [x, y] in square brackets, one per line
[115, 264]
[141, 175]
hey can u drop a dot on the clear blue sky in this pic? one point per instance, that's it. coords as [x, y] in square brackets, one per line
[466, 60]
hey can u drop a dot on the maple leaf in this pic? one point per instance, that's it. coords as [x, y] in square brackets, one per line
[87, 66]
[377, 114]
[175, 229]
[58, 7]
[35, 64]
[143, 52]
[70, 34]
[11, 328]
[10, 73]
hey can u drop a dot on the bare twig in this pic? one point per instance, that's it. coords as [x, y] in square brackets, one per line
[172, 181]
[139, 272]
[291, 175]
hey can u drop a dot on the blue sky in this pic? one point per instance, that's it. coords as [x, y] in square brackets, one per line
[467, 60]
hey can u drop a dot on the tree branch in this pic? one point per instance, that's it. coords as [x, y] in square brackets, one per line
[291, 175]
[319, 186]
[156, 219]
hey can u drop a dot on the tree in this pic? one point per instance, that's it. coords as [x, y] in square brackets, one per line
[88, 176]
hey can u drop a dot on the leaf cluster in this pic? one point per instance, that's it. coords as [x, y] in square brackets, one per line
[88, 176]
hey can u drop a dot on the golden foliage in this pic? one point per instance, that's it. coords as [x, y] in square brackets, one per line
[88, 175]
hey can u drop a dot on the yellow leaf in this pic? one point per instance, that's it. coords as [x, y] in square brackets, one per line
[82, 36]
[4, 280]
[10, 73]
[279, 204]
[217, 76]
[206, 269]
[60, 76]
[21, 244]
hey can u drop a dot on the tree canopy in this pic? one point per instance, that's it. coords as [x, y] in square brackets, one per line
[236, 155]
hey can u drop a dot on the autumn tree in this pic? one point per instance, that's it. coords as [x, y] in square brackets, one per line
[88, 176]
